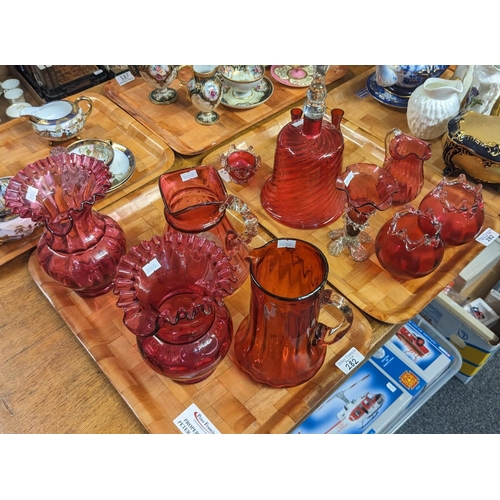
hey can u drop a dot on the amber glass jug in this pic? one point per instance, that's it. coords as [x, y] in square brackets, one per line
[281, 342]
[301, 191]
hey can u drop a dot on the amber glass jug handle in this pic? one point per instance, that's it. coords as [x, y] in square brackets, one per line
[251, 223]
[324, 334]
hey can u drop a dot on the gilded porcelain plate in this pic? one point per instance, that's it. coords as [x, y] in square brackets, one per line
[293, 76]
[122, 167]
[258, 96]
[384, 95]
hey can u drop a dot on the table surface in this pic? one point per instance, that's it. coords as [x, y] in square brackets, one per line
[48, 381]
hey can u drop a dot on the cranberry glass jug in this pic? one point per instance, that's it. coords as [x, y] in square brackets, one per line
[301, 191]
[171, 289]
[404, 160]
[79, 248]
[196, 201]
[281, 342]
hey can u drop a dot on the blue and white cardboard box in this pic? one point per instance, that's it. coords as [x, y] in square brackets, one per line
[423, 354]
[368, 400]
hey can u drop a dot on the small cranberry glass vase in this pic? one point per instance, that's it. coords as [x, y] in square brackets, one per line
[171, 289]
[404, 160]
[369, 188]
[301, 191]
[241, 164]
[459, 206]
[282, 342]
[196, 202]
[409, 245]
[79, 248]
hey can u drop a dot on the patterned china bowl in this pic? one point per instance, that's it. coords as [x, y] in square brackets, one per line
[12, 227]
[242, 79]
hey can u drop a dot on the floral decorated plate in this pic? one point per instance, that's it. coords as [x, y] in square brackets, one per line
[384, 95]
[122, 167]
[293, 76]
[96, 148]
[12, 227]
[259, 95]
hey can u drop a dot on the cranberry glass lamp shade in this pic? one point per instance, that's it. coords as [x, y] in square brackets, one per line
[459, 206]
[79, 247]
[171, 289]
[409, 245]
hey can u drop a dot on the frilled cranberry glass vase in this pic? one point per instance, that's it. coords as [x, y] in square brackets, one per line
[369, 188]
[196, 202]
[409, 245]
[79, 247]
[404, 160]
[282, 342]
[301, 191]
[459, 206]
[171, 289]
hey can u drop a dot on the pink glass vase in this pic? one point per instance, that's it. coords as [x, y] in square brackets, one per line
[196, 202]
[459, 206]
[368, 188]
[409, 245]
[282, 342]
[79, 248]
[240, 163]
[171, 289]
[301, 191]
[404, 160]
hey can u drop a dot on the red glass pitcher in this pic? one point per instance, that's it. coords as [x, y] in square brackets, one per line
[196, 201]
[281, 342]
[404, 160]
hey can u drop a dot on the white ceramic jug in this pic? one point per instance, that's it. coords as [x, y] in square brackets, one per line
[431, 105]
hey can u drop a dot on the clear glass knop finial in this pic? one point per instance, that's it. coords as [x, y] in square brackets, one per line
[314, 107]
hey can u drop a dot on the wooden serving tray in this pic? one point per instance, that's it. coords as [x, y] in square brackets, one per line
[365, 283]
[230, 399]
[367, 115]
[20, 146]
[175, 123]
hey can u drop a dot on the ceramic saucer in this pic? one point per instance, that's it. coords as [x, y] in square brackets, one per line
[385, 96]
[96, 148]
[121, 167]
[258, 96]
[293, 76]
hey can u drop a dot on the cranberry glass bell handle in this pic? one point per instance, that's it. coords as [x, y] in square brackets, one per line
[251, 224]
[326, 335]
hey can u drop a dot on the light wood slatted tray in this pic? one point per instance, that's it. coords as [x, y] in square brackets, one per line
[365, 283]
[230, 399]
[176, 124]
[366, 115]
[20, 146]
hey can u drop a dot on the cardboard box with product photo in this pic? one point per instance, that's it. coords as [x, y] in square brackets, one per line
[472, 327]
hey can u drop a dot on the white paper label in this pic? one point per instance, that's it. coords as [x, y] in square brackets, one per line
[97, 71]
[390, 386]
[193, 421]
[224, 175]
[286, 244]
[31, 193]
[487, 237]
[298, 123]
[151, 267]
[192, 174]
[350, 360]
[124, 78]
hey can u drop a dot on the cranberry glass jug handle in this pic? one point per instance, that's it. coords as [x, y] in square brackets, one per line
[251, 224]
[326, 335]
